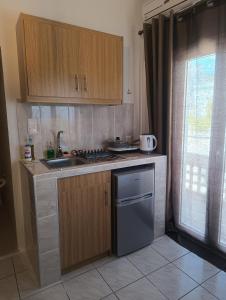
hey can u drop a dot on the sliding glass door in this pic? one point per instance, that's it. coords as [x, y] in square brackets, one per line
[199, 89]
[202, 204]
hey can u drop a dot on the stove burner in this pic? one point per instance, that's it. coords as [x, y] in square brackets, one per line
[95, 155]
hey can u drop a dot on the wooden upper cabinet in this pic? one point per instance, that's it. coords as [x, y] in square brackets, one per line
[61, 63]
[113, 71]
[41, 59]
[92, 64]
[67, 46]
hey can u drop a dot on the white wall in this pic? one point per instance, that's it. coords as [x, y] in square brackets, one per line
[121, 17]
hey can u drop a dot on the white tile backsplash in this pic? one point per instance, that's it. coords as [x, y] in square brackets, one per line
[103, 124]
[84, 126]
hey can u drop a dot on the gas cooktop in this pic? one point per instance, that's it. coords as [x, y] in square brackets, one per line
[96, 155]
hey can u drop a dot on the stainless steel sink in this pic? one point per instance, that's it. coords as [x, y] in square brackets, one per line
[62, 162]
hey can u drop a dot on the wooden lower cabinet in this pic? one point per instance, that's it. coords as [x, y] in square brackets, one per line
[85, 218]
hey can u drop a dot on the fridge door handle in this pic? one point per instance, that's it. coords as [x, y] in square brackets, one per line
[132, 201]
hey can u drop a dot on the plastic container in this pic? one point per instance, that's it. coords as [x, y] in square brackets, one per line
[50, 151]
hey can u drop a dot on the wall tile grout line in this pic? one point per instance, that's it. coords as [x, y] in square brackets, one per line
[92, 127]
[46, 217]
[77, 122]
[114, 122]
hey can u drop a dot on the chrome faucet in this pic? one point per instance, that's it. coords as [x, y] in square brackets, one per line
[59, 151]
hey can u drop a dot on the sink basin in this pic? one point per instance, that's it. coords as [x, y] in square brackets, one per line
[62, 162]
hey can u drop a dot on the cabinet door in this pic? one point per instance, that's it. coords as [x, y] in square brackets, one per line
[67, 40]
[113, 67]
[101, 60]
[91, 64]
[85, 217]
[41, 59]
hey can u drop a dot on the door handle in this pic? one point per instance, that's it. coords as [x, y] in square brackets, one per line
[85, 83]
[108, 194]
[76, 83]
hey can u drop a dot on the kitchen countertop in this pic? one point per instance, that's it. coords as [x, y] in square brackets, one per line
[40, 171]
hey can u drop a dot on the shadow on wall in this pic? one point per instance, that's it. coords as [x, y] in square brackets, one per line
[8, 241]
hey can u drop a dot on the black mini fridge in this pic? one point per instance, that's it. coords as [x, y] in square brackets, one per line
[133, 208]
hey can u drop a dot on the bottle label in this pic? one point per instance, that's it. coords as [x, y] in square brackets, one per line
[27, 153]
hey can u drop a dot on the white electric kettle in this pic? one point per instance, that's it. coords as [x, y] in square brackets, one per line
[148, 143]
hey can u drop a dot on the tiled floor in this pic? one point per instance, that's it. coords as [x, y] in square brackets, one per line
[161, 271]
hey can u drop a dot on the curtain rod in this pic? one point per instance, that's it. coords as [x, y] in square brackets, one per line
[208, 2]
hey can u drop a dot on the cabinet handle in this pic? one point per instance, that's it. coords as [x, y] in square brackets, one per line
[76, 83]
[85, 83]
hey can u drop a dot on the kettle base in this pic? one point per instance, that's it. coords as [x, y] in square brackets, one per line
[147, 152]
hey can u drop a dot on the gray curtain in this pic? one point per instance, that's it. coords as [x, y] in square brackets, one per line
[185, 58]
[199, 123]
[158, 42]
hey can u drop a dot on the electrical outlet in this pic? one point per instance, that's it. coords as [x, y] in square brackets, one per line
[32, 126]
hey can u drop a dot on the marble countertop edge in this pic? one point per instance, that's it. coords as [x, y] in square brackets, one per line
[40, 172]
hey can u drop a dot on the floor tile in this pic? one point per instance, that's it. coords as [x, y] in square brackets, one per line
[147, 260]
[110, 297]
[199, 294]
[77, 272]
[8, 289]
[217, 285]
[196, 267]
[27, 284]
[168, 248]
[119, 273]
[54, 293]
[172, 282]
[99, 263]
[140, 290]
[6, 267]
[20, 263]
[89, 286]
